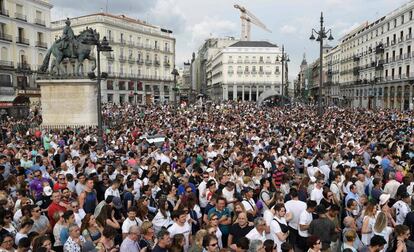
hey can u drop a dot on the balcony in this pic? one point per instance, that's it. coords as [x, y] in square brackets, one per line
[261, 62]
[356, 58]
[356, 71]
[122, 58]
[4, 12]
[268, 72]
[122, 42]
[157, 63]
[392, 42]
[131, 43]
[20, 16]
[379, 49]
[408, 36]
[23, 41]
[400, 39]
[111, 40]
[246, 72]
[254, 72]
[41, 44]
[239, 72]
[131, 59]
[254, 62]
[5, 37]
[407, 55]
[140, 61]
[41, 22]
[5, 64]
[380, 65]
[268, 62]
[23, 66]
[230, 62]
[261, 72]
[239, 61]
[247, 61]
[230, 72]
[148, 62]
[166, 64]
[277, 72]
[167, 50]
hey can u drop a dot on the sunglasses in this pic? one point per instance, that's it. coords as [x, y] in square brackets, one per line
[213, 245]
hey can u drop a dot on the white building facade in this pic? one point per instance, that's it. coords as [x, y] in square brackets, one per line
[142, 60]
[24, 39]
[244, 70]
[377, 62]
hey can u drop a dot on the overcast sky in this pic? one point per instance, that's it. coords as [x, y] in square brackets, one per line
[193, 21]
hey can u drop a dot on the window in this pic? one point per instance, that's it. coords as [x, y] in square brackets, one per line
[402, 19]
[131, 85]
[121, 85]
[6, 80]
[110, 85]
[110, 98]
[110, 35]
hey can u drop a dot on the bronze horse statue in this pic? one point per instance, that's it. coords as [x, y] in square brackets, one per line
[61, 51]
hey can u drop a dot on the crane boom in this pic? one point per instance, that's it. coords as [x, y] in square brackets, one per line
[246, 18]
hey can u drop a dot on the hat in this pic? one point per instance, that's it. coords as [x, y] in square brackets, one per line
[47, 190]
[384, 198]
[117, 202]
[210, 169]
[378, 240]
[321, 209]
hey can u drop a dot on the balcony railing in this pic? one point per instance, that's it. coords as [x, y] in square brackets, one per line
[23, 41]
[41, 44]
[246, 72]
[277, 72]
[140, 61]
[6, 64]
[239, 72]
[400, 39]
[4, 12]
[110, 57]
[254, 72]
[157, 63]
[230, 62]
[131, 43]
[239, 61]
[392, 42]
[39, 21]
[5, 37]
[246, 61]
[166, 64]
[20, 16]
[148, 62]
[131, 60]
[408, 36]
[230, 72]
[122, 42]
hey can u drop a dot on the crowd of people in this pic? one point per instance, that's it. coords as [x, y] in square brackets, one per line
[213, 177]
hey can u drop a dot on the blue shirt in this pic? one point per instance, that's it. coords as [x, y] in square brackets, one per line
[181, 188]
[225, 229]
[351, 195]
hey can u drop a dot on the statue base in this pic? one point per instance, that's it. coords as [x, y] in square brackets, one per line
[68, 103]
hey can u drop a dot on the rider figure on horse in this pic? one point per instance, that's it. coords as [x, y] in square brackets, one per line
[68, 38]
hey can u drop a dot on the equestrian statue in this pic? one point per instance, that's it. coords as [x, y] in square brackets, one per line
[70, 46]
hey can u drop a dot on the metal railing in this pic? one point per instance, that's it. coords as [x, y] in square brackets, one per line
[41, 44]
[20, 16]
[40, 22]
[6, 63]
[22, 40]
[140, 61]
[6, 37]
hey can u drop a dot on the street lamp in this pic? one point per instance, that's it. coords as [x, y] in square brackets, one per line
[322, 34]
[101, 46]
[175, 89]
[284, 58]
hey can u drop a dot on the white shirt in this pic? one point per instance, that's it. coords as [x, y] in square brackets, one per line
[129, 223]
[185, 230]
[391, 188]
[112, 192]
[160, 221]
[296, 207]
[202, 187]
[255, 235]
[305, 218]
[401, 211]
[268, 217]
[248, 204]
[79, 216]
[274, 229]
[317, 195]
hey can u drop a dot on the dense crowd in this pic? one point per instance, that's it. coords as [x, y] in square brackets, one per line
[226, 177]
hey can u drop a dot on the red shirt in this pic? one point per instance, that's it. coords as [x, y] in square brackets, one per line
[52, 209]
[57, 187]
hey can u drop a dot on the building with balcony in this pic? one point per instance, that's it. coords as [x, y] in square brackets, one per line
[24, 39]
[244, 70]
[379, 62]
[331, 66]
[140, 65]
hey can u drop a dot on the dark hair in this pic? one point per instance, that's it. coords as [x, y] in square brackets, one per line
[243, 243]
[67, 214]
[293, 192]
[24, 243]
[311, 241]
[279, 206]
[163, 232]
[286, 247]
[109, 232]
[311, 204]
[269, 245]
[207, 239]
[133, 209]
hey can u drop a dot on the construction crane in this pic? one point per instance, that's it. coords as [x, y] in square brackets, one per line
[246, 18]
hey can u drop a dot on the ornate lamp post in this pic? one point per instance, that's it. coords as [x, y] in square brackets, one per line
[101, 46]
[322, 34]
[175, 89]
[283, 58]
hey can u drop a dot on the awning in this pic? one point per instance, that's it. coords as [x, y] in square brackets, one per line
[7, 98]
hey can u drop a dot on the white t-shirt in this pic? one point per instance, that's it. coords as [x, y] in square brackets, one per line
[160, 221]
[202, 187]
[296, 207]
[274, 229]
[401, 211]
[255, 235]
[317, 195]
[112, 192]
[185, 230]
[248, 204]
[268, 217]
[305, 218]
[129, 223]
[79, 216]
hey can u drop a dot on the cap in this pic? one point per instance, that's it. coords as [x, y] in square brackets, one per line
[47, 190]
[404, 195]
[383, 199]
[117, 202]
[321, 209]
[210, 169]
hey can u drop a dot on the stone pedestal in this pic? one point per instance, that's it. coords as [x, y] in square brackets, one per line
[69, 102]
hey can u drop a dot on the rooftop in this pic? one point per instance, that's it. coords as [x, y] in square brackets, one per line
[253, 44]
